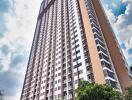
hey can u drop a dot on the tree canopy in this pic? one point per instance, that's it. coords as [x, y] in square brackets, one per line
[93, 91]
[128, 93]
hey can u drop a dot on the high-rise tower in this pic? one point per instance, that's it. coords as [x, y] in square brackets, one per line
[73, 40]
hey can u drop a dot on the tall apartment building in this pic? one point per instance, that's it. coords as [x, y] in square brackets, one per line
[73, 41]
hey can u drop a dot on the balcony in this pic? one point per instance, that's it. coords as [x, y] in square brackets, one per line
[69, 87]
[69, 79]
[88, 72]
[69, 72]
[65, 89]
[64, 74]
[65, 97]
[70, 96]
[64, 81]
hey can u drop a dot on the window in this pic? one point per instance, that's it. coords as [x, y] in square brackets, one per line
[59, 68]
[77, 46]
[106, 64]
[58, 95]
[80, 71]
[112, 83]
[78, 51]
[76, 40]
[59, 87]
[78, 65]
[77, 58]
[101, 49]
[59, 74]
[76, 81]
[109, 74]
[98, 42]
[101, 55]
[59, 80]
[56, 89]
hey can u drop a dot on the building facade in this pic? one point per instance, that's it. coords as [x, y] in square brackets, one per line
[73, 41]
[130, 71]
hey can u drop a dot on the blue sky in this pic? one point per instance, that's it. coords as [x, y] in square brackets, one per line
[17, 24]
[116, 6]
[120, 14]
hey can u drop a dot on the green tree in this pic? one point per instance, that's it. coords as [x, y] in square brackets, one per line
[128, 93]
[92, 91]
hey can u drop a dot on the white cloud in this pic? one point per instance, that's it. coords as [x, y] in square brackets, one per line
[20, 24]
[127, 1]
[11, 98]
[4, 63]
[124, 23]
[17, 97]
[115, 5]
[122, 26]
[110, 15]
